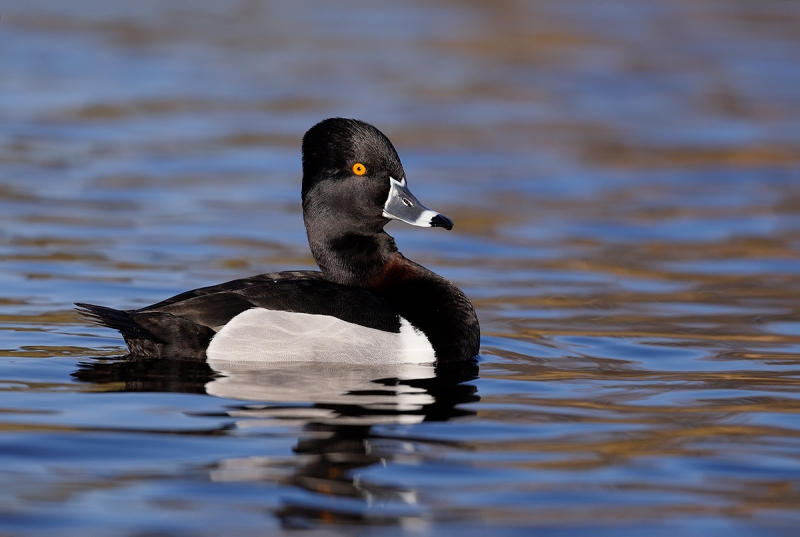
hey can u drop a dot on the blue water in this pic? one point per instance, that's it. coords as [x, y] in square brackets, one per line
[625, 184]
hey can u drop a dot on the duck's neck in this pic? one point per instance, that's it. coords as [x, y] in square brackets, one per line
[352, 259]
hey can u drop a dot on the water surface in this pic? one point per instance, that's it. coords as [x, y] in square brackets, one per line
[625, 184]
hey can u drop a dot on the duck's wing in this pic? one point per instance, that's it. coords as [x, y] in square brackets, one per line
[182, 326]
[298, 292]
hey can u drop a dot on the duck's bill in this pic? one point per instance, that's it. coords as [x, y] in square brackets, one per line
[404, 206]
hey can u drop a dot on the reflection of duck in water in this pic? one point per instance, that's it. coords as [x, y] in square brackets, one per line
[344, 394]
[329, 478]
[336, 464]
[369, 305]
[325, 393]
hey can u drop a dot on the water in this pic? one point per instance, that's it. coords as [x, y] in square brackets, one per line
[624, 179]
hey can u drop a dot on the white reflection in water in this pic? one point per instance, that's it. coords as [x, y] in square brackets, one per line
[372, 387]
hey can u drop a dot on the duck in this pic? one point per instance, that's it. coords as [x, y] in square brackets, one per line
[368, 304]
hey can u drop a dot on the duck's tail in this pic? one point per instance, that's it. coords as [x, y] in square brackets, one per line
[153, 334]
[119, 320]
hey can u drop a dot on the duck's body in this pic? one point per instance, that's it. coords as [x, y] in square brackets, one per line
[369, 304]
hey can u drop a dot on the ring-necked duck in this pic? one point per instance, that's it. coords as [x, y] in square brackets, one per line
[368, 305]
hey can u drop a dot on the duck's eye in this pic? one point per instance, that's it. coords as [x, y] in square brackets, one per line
[359, 169]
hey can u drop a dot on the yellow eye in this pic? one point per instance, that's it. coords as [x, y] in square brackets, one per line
[359, 169]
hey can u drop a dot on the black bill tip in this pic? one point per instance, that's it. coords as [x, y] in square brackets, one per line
[442, 221]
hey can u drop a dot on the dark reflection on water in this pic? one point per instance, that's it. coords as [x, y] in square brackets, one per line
[147, 375]
[623, 179]
[336, 440]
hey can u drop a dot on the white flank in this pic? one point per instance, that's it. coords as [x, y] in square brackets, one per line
[261, 335]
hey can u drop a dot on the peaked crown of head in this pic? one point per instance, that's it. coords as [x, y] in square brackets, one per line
[333, 146]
